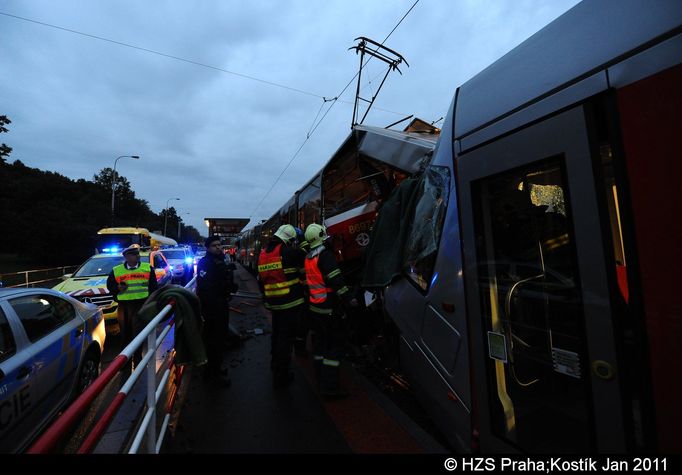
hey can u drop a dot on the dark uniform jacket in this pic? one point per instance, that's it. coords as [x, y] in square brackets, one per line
[112, 285]
[215, 283]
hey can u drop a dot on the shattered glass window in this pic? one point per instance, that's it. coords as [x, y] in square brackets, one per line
[421, 246]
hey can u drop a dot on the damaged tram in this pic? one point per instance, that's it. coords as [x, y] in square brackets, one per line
[535, 286]
[346, 194]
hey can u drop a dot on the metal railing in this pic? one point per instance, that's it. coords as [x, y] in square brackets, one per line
[54, 434]
[21, 279]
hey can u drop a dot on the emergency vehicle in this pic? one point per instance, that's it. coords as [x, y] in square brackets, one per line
[116, 239]
[89, 282]
[50, 351]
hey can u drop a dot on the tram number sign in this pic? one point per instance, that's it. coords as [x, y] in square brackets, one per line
[497, 346]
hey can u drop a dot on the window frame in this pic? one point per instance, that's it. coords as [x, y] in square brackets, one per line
[50, 298]
[447, 189]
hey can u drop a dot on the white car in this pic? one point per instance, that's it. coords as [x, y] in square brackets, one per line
[181, 262]
[50, 351]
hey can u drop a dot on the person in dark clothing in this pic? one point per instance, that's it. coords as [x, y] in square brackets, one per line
[328, 295]
[215, 283]
[280, 269]
[131, 283]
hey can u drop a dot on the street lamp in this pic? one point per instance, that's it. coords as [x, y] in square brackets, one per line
[113, 182]
[179, 225]
[165, 218]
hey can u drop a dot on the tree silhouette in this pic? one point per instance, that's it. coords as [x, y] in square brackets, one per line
[5, 150]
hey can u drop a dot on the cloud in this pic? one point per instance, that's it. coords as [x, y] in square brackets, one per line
[216, 140]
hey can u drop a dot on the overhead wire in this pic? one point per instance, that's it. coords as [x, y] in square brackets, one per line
[314, 125]
[179, 58]
[333, 101]
[165, 55]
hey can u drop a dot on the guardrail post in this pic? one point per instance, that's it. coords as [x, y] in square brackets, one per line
[26, 274]
[151, 393]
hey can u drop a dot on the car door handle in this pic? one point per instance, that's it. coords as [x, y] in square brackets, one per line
[23, 372]
[78, 332]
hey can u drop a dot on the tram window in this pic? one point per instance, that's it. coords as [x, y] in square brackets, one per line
[427, 225]
[343, 189]
[531, 300]
[355, 180]
[309, 203]
[287, 213]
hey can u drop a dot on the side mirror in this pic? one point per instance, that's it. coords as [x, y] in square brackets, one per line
[67, 276]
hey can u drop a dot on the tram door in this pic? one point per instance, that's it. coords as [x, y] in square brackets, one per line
[544, 361]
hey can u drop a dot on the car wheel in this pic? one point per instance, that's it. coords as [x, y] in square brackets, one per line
[88, 372]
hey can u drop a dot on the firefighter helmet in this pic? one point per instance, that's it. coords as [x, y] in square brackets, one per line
[315, 234]
[286, 233]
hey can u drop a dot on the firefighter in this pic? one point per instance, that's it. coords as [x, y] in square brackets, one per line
[328, 293]
[215, 283]
[280, 267]
[131, 283]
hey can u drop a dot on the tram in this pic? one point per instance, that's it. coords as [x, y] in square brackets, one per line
[347, 192]
[542, 313]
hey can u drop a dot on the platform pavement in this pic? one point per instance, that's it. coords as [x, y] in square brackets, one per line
[253, 417]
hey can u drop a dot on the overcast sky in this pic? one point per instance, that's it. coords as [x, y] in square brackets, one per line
[217, 140]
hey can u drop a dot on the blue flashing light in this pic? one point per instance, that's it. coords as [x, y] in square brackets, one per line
[106, 249]
[111, 249]
[434, 279]
[189, 260]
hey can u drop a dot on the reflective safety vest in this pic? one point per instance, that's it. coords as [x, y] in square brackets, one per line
[319, 291]
[136, 279]
[278, 282]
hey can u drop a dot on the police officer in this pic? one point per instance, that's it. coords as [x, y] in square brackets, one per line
[131, 283]
[280, 268]
[215, 283]
[328, 293]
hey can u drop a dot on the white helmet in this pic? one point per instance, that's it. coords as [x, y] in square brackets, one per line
[132, 248]
[286, 233]
[315, 234]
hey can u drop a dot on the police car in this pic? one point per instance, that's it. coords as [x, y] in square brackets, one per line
[89, 283]
[181, 261]
[50, 350]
